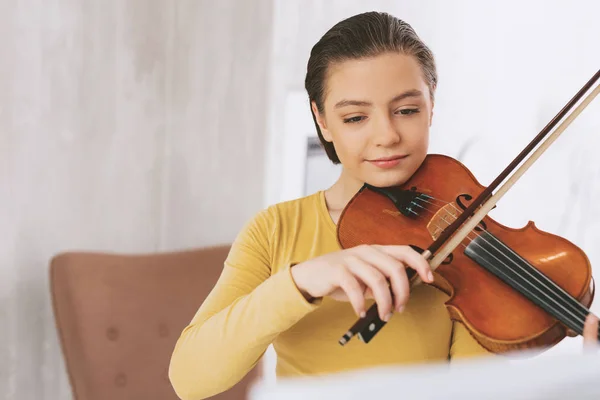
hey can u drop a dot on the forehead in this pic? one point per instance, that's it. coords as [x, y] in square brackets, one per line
[379, 78]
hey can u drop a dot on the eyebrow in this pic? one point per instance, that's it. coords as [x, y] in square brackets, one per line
[402, 96]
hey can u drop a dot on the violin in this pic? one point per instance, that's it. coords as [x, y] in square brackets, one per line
[513, 289]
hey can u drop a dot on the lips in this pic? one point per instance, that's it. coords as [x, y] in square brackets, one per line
[390, 158]
[387, 162]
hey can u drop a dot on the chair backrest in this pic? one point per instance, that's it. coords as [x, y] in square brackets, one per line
[119, 316]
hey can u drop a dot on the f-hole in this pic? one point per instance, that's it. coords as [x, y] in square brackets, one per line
[481, 226]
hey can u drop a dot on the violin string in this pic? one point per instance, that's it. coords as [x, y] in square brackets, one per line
[558, 291]
[566, 311]
[570, 304]
[554, 289]
[421, 197]
[573, 316]
[568, 301]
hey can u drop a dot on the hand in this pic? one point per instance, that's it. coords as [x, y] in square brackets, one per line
[590, 332]
[362, 272]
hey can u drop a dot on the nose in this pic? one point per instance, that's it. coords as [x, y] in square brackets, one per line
[386, 134]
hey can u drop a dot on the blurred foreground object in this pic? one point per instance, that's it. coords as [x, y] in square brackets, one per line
[542, 378]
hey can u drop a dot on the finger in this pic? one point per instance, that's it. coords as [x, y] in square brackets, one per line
[354, 291]
[571, 333]
[410, 258]
[376, 281]
[590, 331]
[401, 287]
[393, 269]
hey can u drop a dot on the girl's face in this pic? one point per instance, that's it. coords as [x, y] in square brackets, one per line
[377, 115]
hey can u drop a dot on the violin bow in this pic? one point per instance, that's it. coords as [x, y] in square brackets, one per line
[448, 240]
[485, 208]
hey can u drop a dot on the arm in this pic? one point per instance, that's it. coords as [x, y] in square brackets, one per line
[463, 345]
[242, 315]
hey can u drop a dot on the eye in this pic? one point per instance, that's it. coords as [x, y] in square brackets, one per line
[408, 111]
[353, 120]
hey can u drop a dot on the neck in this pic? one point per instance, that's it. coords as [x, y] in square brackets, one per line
[340, 193]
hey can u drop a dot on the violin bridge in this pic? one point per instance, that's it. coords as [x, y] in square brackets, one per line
[442, 219]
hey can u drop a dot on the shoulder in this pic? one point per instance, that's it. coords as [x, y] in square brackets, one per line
[266, 225]
[271, 228]
[292, 209]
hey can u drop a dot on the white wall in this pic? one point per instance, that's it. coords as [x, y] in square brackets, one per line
[128, 126]
[505, 69]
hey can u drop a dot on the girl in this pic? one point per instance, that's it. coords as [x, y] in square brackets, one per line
[371, 83]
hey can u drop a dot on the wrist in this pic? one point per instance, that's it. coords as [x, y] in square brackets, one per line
[298, 281]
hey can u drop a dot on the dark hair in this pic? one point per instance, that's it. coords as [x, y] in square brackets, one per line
[361, 36]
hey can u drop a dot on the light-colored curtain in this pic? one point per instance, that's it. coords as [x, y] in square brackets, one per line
[127, 126]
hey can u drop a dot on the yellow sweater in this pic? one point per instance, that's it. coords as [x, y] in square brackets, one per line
[256, 303]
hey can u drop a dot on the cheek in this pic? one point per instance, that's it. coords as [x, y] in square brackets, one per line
[349, 145]
[421, 139]
[416, 133]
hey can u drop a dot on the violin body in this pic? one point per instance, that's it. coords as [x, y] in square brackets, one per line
[499, 317]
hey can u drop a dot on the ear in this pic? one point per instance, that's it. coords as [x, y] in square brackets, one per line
[321, 122]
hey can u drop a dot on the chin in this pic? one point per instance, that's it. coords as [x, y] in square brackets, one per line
[394, 176]
[387, 179]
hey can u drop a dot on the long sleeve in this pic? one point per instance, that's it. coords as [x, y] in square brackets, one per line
[248, 307]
